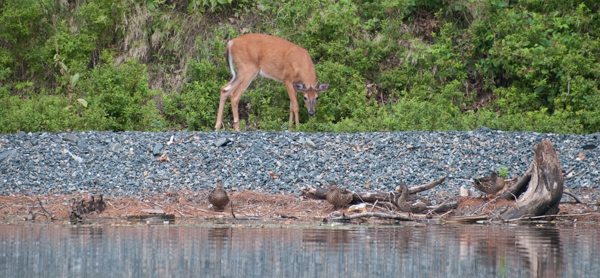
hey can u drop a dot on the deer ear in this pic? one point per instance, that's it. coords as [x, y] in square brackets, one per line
[323, 87]
[299, 87]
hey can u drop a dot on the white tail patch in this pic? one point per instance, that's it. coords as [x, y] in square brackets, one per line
[230, 60]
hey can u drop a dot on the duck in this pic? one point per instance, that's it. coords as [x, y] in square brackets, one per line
[338, 197]
[404, 205]
[489, 185]
[218, 198]
[100, 204]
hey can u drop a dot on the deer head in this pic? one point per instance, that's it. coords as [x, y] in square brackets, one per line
[311, 95]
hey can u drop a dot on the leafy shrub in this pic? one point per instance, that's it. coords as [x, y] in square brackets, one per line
[122, 94]
[428, 65]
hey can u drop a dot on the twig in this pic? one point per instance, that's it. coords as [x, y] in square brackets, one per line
[575, 175]
[231, 204]
[569, 171]
[467, 219]
[433, 210]
[373, 205]
[574, 197]
[424, 187]
[577, 200]
[202, 210]
[120, 208]
[43, 209]
[544, 216]
[180, 212]
[445, 213]
[184, 138]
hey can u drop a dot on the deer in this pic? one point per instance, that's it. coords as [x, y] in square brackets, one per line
[275, 58]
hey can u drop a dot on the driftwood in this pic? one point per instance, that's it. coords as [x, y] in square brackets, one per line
[536, 193]
[400, 216]
[371, 196]
[545, 186]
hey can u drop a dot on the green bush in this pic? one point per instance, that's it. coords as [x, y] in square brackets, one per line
[122, 94]
[391, 65]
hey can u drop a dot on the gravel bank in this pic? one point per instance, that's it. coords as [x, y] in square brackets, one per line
[123, 163]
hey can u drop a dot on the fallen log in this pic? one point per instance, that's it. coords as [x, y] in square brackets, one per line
[402, 217]
[370, 196]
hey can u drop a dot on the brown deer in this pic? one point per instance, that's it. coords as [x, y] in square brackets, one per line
[271, 57]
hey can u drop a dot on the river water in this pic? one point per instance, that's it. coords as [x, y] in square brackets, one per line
[60, 250]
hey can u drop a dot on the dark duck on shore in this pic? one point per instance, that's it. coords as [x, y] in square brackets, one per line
[405, 205]
[489, 185]
[218, 198]
[338, 197]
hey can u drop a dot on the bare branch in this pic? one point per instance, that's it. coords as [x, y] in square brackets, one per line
[403, 217]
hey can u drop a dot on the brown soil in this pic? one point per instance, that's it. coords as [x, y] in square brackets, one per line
[181, 204]
[249, 204]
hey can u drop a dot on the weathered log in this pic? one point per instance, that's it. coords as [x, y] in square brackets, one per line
[400, 216]
[371, 196]
[544, 189]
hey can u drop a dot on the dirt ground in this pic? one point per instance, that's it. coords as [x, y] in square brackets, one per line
[246, 205]
[183, 204]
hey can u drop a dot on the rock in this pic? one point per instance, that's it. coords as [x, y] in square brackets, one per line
[465, 192]
[116, 147]
[157, 150]
[70, 137]
[7, 154]
[222, 142]
[81, 144]
[76, 158]
[589, 146]
[309, 144]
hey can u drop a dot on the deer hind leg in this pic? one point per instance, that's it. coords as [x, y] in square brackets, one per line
[237, 92]
[225, 92]
[294, 108]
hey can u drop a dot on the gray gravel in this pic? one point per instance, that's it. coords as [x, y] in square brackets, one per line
[123, 163]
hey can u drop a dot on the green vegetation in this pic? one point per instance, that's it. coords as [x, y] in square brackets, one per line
[503, 172]
[392, 65]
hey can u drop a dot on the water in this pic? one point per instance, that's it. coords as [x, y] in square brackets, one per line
[54, 250]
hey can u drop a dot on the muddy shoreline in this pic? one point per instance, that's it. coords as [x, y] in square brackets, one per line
[250, 206]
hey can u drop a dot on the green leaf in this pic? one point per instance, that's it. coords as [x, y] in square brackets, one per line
[82, 102]
[539, 90]
[74, 79]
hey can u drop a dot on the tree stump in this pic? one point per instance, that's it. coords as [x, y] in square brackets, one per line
[542, 185]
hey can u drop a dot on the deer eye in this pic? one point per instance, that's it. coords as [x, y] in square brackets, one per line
[317, 97]
[305, 98]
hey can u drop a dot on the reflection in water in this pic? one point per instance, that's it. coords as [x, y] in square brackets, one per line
[31, 250]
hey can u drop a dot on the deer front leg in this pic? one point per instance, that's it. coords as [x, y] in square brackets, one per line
[294, 108]
[235, 100]
[291, 121]
[225, 90]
